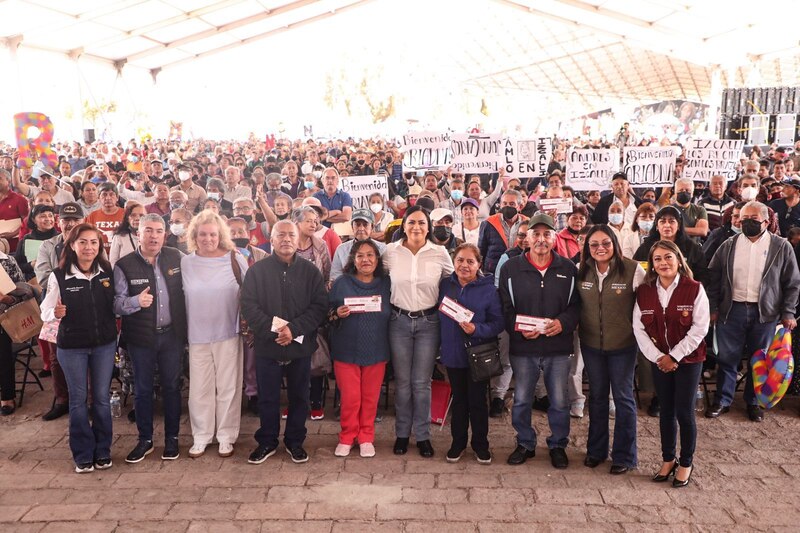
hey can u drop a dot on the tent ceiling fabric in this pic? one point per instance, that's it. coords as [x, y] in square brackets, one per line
[591, 52]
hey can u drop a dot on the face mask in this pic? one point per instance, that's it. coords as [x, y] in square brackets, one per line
[508, 212]
[360, 162]
[749, 193]
[283, 216]
[456, 195]
[175, 205]
[646, 225]
[376, 208]
[735, 229]
[317, 174]
[615, 218]
[442, 233]
[573, 231]
[649, 200]
[420, 173]
[241, 243]
[751, 228]
[294, 158]
[683, 197]
[177, 229]
[412, 202]
[184, 176]
[246, 218]
[213, 196]
[306, 168]
[134, 159]
[308, 184]
[388, 160]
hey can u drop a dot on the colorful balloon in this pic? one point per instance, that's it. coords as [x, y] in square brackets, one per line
[40, 145]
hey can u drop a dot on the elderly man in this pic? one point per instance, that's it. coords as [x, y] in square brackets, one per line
[362, 223]
[442, 230]
[716, 201]
[540, 285]
[245, 209]
[498, 233]
[754, 283]
[49, 182]
[695, 219]
[232, 188]
[149, 296]
[194, 193]
[284, 302]
[621, 191]
[337, 202]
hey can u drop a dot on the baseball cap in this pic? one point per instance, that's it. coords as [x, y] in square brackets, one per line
[71, 210]
[542, 219]
[363, 214]
[794, 182]
[619, 176]
[439, 213]
[469, 201]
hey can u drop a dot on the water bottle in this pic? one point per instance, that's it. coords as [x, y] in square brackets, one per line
[116, 404]
[700, 404]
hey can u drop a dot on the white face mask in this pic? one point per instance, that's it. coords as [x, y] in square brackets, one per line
[615, 218]
[749, 193]
[376, 208]
[184, 175]
[213, 196]
[177, 229]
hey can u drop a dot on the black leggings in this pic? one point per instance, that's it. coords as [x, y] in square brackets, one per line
[677, 392]
[7, 360]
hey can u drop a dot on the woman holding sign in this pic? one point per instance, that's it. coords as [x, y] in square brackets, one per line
[469, 312]
[416, 265]
[360, 312]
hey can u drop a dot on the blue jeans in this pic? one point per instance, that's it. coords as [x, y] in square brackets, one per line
[676, 392]
[89, 441]
[414, 343]
[269, 375]
[741, 334]
[556, 376]
[612, 370]
[167, 355]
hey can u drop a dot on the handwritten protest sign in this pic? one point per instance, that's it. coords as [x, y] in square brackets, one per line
[649, 166]
[361, 187]
[711, 157]
[426, 149]
[590, 169]
[479, 152]
[527, 158]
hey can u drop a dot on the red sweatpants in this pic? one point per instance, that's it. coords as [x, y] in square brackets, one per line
[360, 387]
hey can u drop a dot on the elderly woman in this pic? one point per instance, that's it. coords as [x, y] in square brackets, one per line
[178, 230]
[126, 238]
[210, 282]
[360, 345]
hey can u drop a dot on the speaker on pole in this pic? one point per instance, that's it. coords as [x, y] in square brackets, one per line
[88, 136]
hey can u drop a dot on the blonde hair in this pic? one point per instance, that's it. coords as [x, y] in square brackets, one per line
[208, 216]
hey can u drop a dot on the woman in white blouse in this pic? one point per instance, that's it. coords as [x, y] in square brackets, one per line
[416, 266]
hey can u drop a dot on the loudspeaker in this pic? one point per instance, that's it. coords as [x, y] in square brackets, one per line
[728, 96]
[741, 108]
[771, 100]
[88, 136]
[791, 101]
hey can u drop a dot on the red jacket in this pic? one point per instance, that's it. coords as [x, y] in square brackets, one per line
[668, 330]
[566, 244]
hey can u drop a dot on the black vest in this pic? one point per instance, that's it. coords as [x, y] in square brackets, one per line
[90, 319]
[140, 327]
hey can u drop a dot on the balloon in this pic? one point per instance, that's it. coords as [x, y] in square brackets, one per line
[40, 145]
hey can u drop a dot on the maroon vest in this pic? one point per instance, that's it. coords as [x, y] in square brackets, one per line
[667, 327]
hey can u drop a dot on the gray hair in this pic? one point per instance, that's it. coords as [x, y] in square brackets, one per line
[762, 209]
[216, 183]
[681, 181]
[300, 214]
[152, 217]
[5, 174]
[752, 164]
[243, 199]
[511, 192]
[183, 194]
[281, 223]
[273, 176]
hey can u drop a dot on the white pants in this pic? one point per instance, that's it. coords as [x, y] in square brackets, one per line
[215, 390]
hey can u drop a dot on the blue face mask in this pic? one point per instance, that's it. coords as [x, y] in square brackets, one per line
[420, 173]
[308, 184]
[646, 225]
[456, 195]
[615, 218]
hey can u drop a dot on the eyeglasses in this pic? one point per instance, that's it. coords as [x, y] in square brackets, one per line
[596, 245]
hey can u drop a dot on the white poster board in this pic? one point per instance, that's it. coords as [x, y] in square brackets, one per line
[528, 158]
[361, 187]
[590, 169]
[711, 157]
[478, 153]
[649, 166]
[426, 150]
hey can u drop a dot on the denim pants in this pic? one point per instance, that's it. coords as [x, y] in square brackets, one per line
[89, 441]
[741, 334]
[269, 375]
[527, 369]
[469, 408]
[611, 370]
[676, 391]
[166, 354]
[414, 344]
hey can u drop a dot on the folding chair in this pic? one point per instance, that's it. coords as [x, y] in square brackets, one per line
[23, 353]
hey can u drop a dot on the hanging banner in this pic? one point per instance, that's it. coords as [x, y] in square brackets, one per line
[34, 133]
[524, 159]
[476, 153]
[590, 169]
[361, 187]
[426, 150]
[649, 166]
[712, 157]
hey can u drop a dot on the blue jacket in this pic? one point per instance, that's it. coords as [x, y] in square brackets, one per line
[480, 297]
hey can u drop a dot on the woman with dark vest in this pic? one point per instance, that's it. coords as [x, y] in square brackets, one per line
[80, 292]
[607, 284]
[670, 321]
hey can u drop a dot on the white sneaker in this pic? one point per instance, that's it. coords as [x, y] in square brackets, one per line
[197, 450]
[367, 449]
[225, 449]
[342, 450]
[576, 410]
[612, 410]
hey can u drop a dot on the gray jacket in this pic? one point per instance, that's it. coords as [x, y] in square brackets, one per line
[780, 285]
[47, 260]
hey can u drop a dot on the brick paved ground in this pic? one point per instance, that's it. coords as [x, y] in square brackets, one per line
[747, 479]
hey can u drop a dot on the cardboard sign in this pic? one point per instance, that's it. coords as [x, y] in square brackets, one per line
[649, 166]
[527, 158]
[711, 157]
[361, 188]
[562, 206]
[590, 169]
[477, 153]
[426, 150]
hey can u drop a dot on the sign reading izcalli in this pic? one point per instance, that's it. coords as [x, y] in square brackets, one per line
[476, 152]
[712, 157]
[426, 150]
[649, 166]
[361, 188]
[527, 158]
[590, 169]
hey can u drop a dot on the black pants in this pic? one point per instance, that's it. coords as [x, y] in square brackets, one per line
[268, 376]
[8, 386]
[469, 408]
[677, 392]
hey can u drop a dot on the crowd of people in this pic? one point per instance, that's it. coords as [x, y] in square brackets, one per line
[252, 256]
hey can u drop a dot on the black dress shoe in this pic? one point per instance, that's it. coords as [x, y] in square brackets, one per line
[401, 446]
[755, 413]
[592, 462]
[8, 409]
[618, 469]
[497, 408]
[558, 458]
[520, 455]
[58, 410]
[425, 448]
[132, 416]
[678, 483]
[716, 410]
[658, 478]
[45, 373]
[654, 409]
[541, 404]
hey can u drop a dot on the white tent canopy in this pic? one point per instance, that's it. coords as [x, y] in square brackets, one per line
[262, 63]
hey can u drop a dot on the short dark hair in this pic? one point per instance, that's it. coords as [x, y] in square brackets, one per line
[350, 266]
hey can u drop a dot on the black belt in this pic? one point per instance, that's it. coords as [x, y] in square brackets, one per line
[415, 314]
[745, 303]
[164, 329]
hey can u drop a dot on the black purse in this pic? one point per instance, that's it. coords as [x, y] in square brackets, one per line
[484, 360]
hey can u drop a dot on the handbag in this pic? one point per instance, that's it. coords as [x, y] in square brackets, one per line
[484, 360]
[244, 330]
[22, 321]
